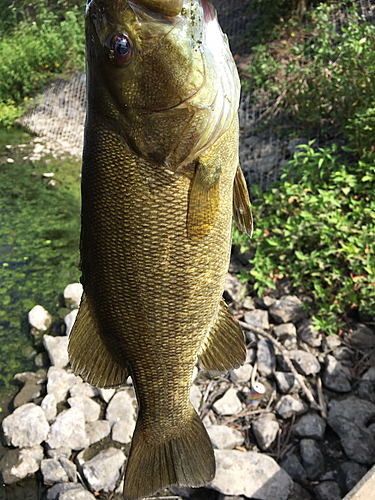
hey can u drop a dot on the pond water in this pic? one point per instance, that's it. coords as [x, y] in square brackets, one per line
[39, 245]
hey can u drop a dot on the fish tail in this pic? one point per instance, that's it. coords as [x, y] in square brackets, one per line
[185, 459]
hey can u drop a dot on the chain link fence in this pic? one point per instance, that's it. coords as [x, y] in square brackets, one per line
[60, 115]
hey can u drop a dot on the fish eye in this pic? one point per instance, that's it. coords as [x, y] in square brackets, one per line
[121, 48]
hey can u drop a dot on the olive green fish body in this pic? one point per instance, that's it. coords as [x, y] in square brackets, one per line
[158, 180]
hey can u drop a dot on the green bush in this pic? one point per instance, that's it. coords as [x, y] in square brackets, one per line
[35, 52]
[317, 228]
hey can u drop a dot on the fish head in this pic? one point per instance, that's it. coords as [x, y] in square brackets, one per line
[161, 75]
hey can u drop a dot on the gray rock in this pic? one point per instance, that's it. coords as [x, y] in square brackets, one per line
[76, 494]
[242, 375]
[69, 430]
[49, 406]
[122, 407]
[349, 474]
[70, 468]
[354, 409]
[102, 471]
[31, 377]
[225, 438]
[98, 430]
[358, 442]
[248, 304]
[251, 355]
[336, 376]
[299, 493]
[305, 362]
[26, 426]
[369, 374]
[289, 405]
[41, 359]
[290, 342]
[286, 382]
[234, 288]
[371, 428]
[69, 321]
[195, 397]
[17, 464]
[59, 383]
[72, 295]
[344, 354]
[309, 334]
[294, 468]
[250, 474]
[268, 301]
[288, 308]
[265, 430]
[53, 472]
[90, 408]
[40, 319]
[361, 337]
[284, 330]
[122, 431]
[229, 404]
[327, 490]
[310, 425]
[28, 393]
[57, 349]
[366, 390]
[312, 458]
[58, 452]
[266, 358]
[330, 343]
[56, 490]
[257, 318]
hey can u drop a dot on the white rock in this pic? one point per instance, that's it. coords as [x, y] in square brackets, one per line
[27, 426]
[57, 348]
[288, 405]
[265, 430]
[69, 321]
[254, 475]
[370, 374]
[225, 438]
[72, 295]
[229, 404]
[102, 471]
[59, 383]
[69, 430]
[76, 494]
[242, 375]
[122, 407]
[81, 388]
[106, 394]
[98, 430]
[70, 468]
[49, 406]
[40, 319]
[90, 408]
[17, 464]
[122, 431]
[195, 397]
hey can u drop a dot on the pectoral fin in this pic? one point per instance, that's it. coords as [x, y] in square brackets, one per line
[203, 202]
[89, 356]
[224, 347]
[241, 204]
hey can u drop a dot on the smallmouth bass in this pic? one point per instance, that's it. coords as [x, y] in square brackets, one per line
[160, 183]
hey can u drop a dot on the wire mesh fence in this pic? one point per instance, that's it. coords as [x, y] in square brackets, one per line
[60, 115]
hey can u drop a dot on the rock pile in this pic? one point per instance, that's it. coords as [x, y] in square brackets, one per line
[308, 434]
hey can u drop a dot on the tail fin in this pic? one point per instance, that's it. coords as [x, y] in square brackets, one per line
[186, 459]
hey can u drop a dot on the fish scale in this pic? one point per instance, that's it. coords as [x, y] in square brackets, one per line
[159, 188]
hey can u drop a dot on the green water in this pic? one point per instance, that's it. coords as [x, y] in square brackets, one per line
[39, 239]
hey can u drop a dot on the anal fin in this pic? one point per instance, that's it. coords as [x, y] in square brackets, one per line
[224, 347]
[241, 204]
[203, 202]
[89, 356]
